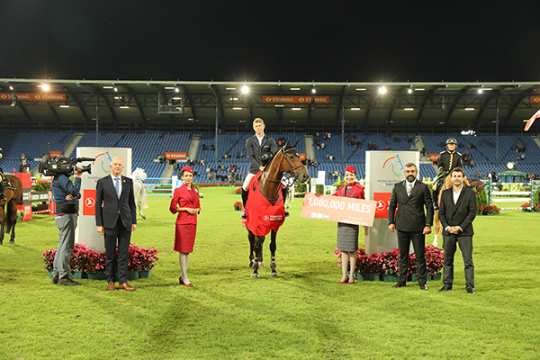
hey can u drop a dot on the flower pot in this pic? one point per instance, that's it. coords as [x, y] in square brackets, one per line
[436, 276]
[369, 276]
[78, 275]
[144, 274]
[96, 275]
[132, 275]
[389, 277]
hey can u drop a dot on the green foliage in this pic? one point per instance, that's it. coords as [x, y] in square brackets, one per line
[319, 189]
[302, 314]
[42, 186]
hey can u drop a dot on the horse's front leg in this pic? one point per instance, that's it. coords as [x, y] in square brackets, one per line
[1, 230]
[13, 216]
[2, 221]
[273, 247]
[251, 239]
[258, 249]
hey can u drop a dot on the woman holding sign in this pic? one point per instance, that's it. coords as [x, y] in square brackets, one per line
[347, 234]
[186, 203]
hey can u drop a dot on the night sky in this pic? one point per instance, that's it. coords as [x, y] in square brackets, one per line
[271, 40]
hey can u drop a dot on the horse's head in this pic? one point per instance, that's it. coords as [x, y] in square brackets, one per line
[291, 162]
[139, 174]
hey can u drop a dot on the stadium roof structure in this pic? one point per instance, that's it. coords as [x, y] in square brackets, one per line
[358, 106]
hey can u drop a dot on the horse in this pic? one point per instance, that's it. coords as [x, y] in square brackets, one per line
[268, 185]
[8, 207]
[139, 176]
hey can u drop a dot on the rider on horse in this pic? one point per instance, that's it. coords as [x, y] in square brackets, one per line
[448, 160]
[260, 149]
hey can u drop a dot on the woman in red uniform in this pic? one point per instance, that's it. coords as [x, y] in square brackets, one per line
[186, 203]
[347, 236]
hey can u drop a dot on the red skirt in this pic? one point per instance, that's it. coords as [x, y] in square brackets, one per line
[185, 238]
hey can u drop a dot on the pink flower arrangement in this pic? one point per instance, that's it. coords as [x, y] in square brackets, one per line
[87, 260]
[141, 259]
[387, 262]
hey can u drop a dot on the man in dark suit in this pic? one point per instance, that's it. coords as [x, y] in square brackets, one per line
[260, 148]
[410, 197]
[116, 215]
[457, 212]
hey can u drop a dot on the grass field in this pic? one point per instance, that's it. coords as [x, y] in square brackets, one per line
[301, 314]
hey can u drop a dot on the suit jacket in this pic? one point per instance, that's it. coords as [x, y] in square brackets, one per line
[185, 198]
[109, 207]
[409, 215]
[461, 213]
[254, 151]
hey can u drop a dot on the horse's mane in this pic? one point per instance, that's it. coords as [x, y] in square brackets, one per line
[448, 184]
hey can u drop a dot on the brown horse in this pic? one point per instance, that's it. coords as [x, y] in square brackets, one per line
[286, 160]
[8, 214]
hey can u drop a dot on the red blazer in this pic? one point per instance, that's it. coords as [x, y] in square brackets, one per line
[353, 191]
[185, 197]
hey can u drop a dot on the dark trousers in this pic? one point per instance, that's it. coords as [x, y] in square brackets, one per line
[466, 247]
[404, 241]
[117, 238]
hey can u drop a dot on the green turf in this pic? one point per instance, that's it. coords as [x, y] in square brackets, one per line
[303, 313]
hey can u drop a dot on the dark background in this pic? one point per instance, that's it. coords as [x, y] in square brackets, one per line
[271, 40]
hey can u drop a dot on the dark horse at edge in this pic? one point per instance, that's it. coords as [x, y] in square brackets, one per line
[8, 207]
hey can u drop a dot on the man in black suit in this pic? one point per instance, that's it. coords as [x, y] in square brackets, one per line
[116, 215]
[260, 149]
[410, 197]
[457, 212]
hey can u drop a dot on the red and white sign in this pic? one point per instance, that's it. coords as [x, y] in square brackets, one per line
[33, 97]
[383, 201]
[297, 100]
[89, 202]
[175, 155]
[339, 209]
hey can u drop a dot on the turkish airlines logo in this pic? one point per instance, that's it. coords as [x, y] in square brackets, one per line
[383, 200]
[89, 202]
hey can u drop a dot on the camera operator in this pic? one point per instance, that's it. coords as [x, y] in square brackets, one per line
[66, 195]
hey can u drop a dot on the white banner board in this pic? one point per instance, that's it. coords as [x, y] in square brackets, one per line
[383, 170]
[86, 229]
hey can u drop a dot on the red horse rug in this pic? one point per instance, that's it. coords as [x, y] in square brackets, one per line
[261, 215]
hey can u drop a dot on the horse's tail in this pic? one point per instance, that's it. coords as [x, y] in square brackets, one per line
[10, 219]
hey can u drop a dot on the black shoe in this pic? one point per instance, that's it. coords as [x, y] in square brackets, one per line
[67, 282]
[400, 284]
[471, 291]
[423, 286]
[445, 288]
[55, 279]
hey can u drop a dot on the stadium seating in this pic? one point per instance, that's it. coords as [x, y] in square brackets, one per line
[148, 145]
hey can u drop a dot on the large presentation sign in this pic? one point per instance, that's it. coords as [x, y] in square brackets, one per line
[86, 230]
[383, 170]
[339, 209]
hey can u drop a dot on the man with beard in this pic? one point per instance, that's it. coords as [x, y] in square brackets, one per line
[412, 222]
